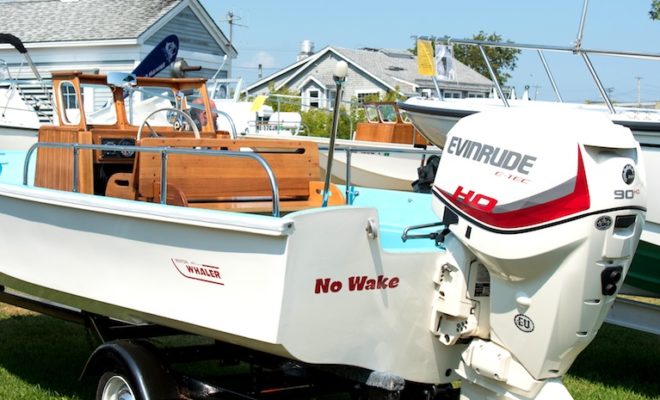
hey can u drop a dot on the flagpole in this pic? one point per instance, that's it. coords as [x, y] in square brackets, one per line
[437, 88]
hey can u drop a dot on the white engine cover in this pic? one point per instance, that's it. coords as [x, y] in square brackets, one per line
[552, 203]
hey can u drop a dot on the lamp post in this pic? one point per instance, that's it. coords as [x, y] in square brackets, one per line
[341, 70]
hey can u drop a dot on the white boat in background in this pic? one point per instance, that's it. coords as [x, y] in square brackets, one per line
[435, 117]
[384, 152]
[19, 121]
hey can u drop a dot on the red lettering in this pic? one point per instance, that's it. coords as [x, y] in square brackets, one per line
[475, 200]
[356, 282]
[322, 285]
[483, 202]
[335, 286]
[382, 282]
[459, 194]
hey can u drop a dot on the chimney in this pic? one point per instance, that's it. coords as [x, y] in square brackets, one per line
[306, 49]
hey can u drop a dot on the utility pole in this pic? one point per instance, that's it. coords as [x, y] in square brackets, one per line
[231, 20]
[639, 91]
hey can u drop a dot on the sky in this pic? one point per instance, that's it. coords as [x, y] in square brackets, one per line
[271, 33]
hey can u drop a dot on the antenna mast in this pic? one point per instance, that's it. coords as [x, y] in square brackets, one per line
[231, 20]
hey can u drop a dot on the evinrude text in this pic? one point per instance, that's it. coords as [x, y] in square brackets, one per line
[487, 154]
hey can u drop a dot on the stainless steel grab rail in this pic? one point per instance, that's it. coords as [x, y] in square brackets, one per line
[164, 151]
[350, 149]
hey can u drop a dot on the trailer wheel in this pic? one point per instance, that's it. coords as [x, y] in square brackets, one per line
[114, 386]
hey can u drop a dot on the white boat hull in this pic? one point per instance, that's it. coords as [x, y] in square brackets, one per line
[260, 282]
[390, 170]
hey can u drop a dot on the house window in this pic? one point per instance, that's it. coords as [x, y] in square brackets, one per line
[367, 96]
[330, 101]
[314, 98]
[452, 94]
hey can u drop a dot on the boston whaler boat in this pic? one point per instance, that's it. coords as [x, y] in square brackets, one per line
[154, 225]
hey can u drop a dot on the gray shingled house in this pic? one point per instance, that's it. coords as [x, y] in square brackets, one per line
[371, 71]
[110, 35]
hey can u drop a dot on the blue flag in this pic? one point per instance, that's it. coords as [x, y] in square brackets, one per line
[159, 58]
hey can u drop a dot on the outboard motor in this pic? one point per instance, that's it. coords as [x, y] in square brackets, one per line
[543, 211]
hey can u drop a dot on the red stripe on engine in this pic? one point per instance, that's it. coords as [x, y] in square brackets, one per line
[572, 203]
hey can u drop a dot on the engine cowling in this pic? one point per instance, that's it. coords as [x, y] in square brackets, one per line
[552, 204]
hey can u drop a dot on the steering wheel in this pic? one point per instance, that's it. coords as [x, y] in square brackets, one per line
[154, 133]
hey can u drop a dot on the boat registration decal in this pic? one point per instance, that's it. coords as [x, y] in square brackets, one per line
[198, 272]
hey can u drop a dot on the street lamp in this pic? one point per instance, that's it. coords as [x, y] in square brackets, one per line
[341, 70]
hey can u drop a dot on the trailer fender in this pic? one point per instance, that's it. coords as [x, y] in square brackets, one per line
[150, 376]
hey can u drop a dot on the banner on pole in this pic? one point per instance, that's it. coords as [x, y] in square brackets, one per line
[425, 60]
[444, 60]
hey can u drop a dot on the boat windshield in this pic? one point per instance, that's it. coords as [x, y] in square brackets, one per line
[144, 101]
[387, 113]
[224, 89]
[4, 74]
[99, 105]
[405, 117]
[371, 113]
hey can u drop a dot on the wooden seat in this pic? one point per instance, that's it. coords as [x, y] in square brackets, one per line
[228, 183]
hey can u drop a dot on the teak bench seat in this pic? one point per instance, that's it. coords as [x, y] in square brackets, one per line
[227, 183]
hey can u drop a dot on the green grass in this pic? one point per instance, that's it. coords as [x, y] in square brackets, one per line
[619, 364]
[41, 359]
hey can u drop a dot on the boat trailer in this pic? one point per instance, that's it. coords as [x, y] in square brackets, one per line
[147, 371]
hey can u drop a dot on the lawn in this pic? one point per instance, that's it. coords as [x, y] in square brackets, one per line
[41, 359]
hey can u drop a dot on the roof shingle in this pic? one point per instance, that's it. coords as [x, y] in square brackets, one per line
[64, 21]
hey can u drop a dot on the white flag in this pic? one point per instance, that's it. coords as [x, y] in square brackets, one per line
[444, 61]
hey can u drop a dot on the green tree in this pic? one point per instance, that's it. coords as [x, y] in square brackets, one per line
[318, 122]
[503, 60]
[654, 14]
[280, 103]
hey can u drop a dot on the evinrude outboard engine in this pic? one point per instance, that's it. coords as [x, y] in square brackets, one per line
[543, 211]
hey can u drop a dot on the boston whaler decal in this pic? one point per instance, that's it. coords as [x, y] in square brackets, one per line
[196, 271]
[356, 284]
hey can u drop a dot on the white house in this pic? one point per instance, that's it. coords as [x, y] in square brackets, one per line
[109, 35]
[371, 71]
